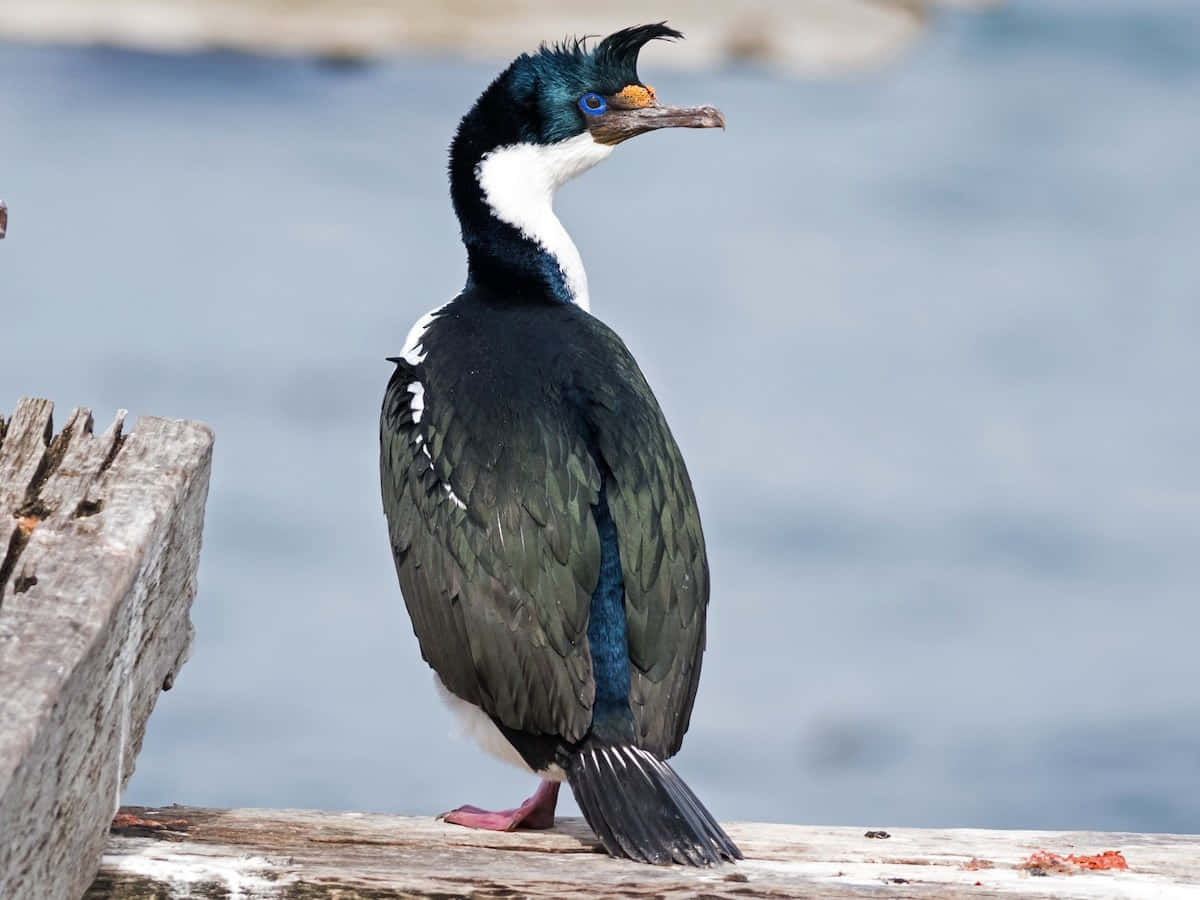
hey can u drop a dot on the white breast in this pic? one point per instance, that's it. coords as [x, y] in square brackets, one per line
[477, 724]
[518, 183]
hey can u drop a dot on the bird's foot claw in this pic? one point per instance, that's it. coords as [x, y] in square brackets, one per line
[474, 817]
[536, 812]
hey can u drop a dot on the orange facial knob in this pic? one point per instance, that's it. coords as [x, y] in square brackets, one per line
[634, 96]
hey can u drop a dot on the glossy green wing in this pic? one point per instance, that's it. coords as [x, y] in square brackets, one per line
[489, 513]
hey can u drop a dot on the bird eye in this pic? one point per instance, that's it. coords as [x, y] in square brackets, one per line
[592, 104]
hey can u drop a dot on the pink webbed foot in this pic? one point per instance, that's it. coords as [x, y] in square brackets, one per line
[536, 812]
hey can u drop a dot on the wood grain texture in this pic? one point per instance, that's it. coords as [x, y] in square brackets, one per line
[258, 854]
[99, 541]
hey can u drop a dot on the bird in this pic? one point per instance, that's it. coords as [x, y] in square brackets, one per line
[543, 524]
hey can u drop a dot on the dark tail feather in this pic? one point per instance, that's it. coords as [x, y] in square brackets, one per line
[641, 809]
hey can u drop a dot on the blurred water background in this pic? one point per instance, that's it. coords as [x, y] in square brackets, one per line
[926, 335]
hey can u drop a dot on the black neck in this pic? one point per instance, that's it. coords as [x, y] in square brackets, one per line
[499, 257]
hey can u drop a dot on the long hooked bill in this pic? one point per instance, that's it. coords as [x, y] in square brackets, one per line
[619, 122]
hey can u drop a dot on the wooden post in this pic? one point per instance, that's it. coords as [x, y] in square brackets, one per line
[259, 854]
[99, 540]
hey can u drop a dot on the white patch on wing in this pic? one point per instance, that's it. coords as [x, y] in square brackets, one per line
[478, 725]
[518, 183]
[454, 497]
[417, 404]
[413, 353]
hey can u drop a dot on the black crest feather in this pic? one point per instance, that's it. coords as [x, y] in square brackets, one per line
[612, 63]
[619, 51]
[535, 99]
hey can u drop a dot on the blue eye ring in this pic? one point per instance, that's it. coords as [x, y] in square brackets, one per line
[592, 104]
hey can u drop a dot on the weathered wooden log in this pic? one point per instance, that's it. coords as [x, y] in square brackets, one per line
[99, 540]
[251, 854]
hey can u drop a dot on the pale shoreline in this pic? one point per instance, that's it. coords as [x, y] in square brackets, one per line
[807, 37]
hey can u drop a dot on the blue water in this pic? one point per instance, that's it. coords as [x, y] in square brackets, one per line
[927, 337]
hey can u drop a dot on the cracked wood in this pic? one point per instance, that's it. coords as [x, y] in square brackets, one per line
[99, 540]
[260, 854]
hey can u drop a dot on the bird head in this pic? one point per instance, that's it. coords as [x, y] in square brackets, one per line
[567, 90]
[571, 91]
[551, 115]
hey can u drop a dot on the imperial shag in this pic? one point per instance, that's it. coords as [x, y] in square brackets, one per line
[544, 527]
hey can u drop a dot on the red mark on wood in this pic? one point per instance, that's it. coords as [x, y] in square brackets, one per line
[1109, 859]
[1045, 861]
[129, 824]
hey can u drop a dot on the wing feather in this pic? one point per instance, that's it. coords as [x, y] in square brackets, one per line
[490, 514]
[662, 553]
[498, 592]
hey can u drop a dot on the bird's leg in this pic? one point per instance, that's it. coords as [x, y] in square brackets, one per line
[536, 812]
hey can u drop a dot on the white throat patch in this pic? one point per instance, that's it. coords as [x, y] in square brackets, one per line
[518, 183]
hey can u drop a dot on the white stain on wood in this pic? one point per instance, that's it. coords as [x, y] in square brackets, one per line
[184, 873]
[99, 540]
[259, 854]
